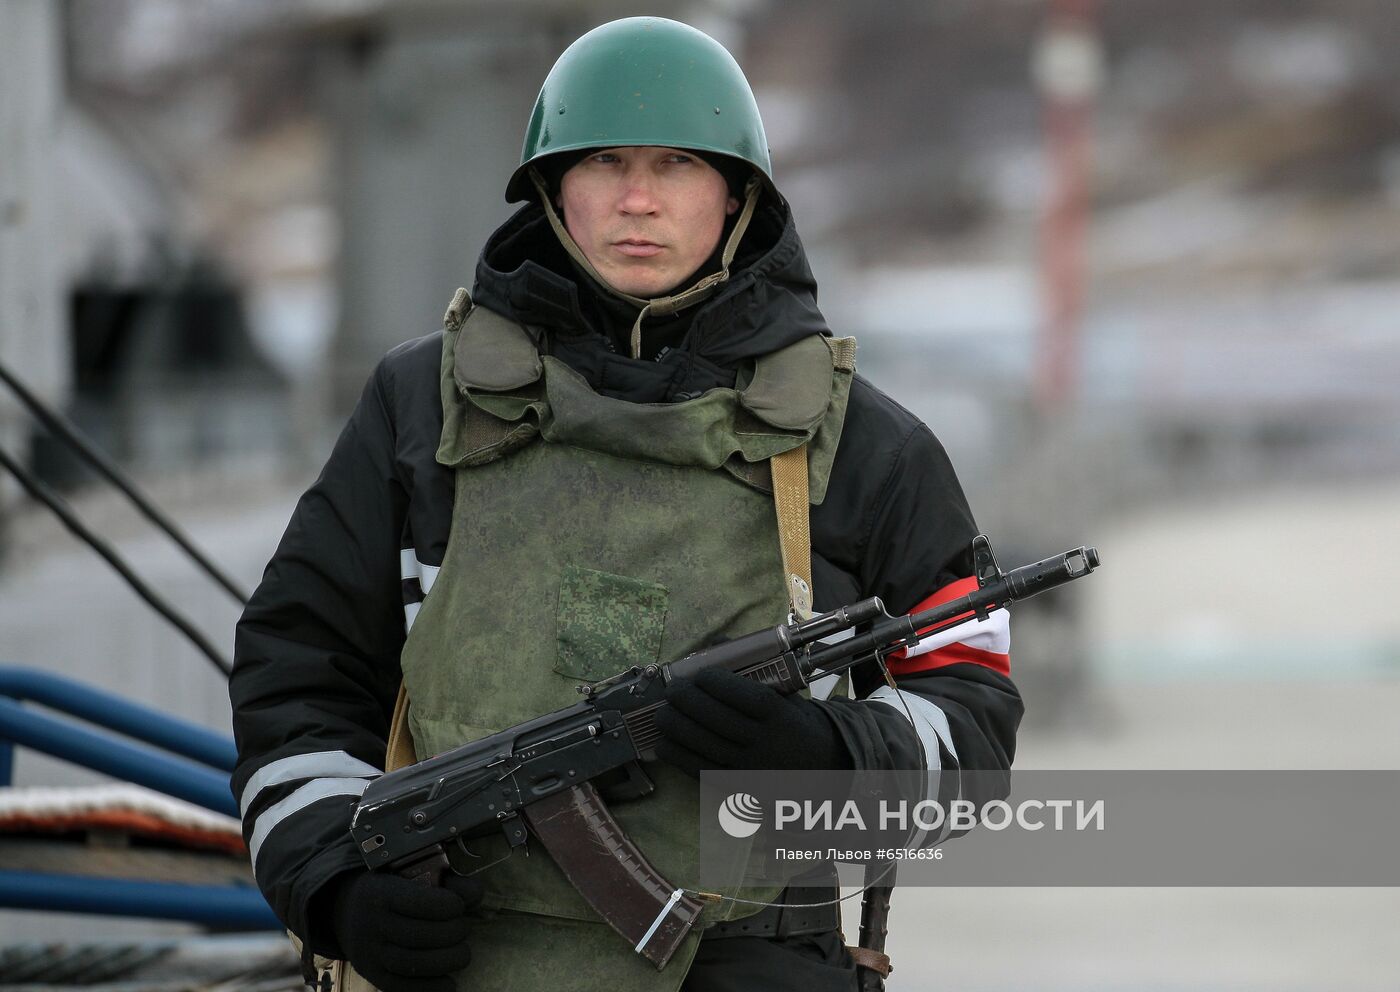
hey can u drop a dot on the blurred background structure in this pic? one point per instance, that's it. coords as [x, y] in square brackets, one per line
[1137, 264]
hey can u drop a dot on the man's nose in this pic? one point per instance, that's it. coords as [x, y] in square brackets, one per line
[638, 194]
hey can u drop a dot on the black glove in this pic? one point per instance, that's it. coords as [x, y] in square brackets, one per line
[721, 720]
[404, 936]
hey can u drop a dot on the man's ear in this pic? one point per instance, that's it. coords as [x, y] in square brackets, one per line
[731, 206]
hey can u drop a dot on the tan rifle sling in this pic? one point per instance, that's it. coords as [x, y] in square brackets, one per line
[790, 496]
[400, 753]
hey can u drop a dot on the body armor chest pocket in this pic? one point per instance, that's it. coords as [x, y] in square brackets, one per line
[607, 623]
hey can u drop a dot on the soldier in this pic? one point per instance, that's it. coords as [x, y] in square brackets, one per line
[573, 478]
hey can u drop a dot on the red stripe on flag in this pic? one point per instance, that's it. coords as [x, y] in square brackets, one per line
[950, 592]
[953, 654]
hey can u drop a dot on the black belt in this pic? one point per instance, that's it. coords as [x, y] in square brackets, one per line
[790, 919]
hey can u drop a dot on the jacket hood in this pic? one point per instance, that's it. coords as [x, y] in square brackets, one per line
[769, 301]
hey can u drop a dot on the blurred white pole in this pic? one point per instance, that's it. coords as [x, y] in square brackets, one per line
[33, 341]
[1067, 67]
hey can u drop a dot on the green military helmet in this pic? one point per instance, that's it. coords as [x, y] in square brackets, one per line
[643, 81]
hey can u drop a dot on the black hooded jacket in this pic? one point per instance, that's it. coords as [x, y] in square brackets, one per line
[317, 650]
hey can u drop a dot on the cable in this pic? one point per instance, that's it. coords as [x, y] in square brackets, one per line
[38, 490]
[714, 897]
[61, 427]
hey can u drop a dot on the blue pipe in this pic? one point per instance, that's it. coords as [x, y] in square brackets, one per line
[106, 710]
[115, 757]
[211, 905]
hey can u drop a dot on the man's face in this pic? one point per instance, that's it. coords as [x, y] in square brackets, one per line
[645, 216]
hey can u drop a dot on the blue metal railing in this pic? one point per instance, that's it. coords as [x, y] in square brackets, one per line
[203, 780]
[199, 775]
[224, 906]
[106, 710]
[113, 756]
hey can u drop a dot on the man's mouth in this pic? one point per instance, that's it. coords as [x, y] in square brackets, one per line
[637, 247]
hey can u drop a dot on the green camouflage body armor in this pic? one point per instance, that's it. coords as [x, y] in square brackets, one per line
[590, 534]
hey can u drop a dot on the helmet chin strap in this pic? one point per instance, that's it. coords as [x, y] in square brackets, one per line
[662, 305]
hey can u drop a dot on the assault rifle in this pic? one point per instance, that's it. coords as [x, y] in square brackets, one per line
[539, 776]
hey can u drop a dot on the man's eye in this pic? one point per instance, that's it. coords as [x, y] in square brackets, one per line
[681, 158]
[605, 157]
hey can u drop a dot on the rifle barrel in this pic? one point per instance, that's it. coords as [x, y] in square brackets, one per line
[1018, 584]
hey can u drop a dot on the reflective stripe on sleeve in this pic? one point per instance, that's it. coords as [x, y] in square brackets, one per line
[929, 720]
[311, 792]
[316, 764]
[931, 726]
[411, 568]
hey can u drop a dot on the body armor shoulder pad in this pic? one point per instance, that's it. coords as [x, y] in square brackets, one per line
[493, 353]
[791, 388]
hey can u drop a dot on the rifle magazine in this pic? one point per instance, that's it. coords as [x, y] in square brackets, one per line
[650, 913]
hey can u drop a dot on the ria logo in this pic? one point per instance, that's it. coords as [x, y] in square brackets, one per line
[741, 815]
